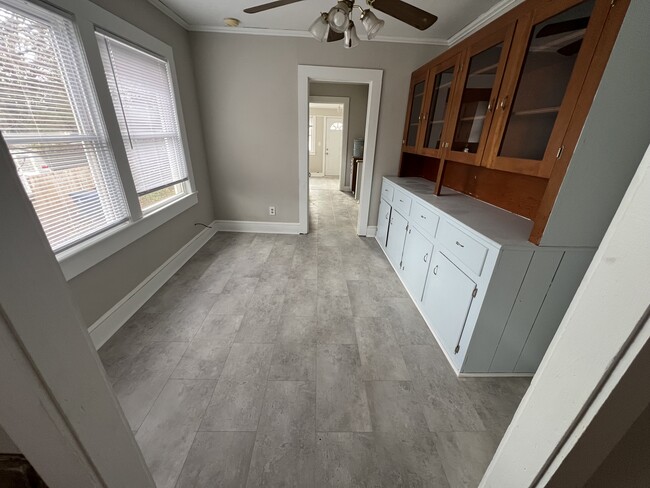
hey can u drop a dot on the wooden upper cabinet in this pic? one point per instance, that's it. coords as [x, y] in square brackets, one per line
[549, 60]
[415, 111]
[436, 123]
[477, 86]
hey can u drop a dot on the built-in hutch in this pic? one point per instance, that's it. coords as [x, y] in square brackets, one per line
[491, 126]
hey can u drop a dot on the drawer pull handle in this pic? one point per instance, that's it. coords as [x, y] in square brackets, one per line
[402, 201]
[423, 217]
[435, 270]
[459, 244]
[426, 256]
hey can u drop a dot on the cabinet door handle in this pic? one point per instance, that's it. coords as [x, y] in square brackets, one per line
[490, 105]
[435, 270]
[426, 256]
[387, 215]
[503, 103]
[459, 244]
[402, 201]
[423, 217]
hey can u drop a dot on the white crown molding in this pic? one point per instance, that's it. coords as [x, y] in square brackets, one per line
[252, 31]
[496, 11]
[482, 20]
[255, 31]
[170, 13]
[412, 40]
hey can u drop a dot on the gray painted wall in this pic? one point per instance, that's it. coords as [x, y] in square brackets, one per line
[99, 288]
[358, 95]
[612, 143]
[247, 86]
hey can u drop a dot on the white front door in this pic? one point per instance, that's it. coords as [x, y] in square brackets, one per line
[333, 142]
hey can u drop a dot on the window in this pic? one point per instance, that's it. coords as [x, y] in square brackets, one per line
[336, 126]
[101, 171]
[51, 122]
[312, 142]
[143, 98]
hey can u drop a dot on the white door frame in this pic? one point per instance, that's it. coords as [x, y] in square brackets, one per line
[326, 74]
[344, 141]
[328, 120]
[322, 171]
[57, 404]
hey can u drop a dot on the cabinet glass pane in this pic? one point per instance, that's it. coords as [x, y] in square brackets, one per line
[476, 97]
[552, 52]
[439, 100]
[414, 116]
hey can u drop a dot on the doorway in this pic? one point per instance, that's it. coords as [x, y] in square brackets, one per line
[372, 79]
[328, 138]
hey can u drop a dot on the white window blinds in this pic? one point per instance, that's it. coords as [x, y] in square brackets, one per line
[50, 120]
[143, 96]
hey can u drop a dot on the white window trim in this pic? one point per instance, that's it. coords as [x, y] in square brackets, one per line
[88, 18]
[312, 139]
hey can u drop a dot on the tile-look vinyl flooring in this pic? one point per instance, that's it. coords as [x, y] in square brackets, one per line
[300, 361]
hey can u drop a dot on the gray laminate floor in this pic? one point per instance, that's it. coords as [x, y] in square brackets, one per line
[299, 361]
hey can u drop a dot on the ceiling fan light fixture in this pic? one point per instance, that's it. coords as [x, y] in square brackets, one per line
[320, 27]
[339, 17]
[371, 23]
[350, 39]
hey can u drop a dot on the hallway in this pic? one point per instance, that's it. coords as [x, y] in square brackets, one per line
[299, 360]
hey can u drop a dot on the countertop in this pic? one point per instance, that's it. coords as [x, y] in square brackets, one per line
[503, 228]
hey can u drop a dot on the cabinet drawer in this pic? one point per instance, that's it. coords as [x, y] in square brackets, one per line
[387, 192]
[402, 203]
[425, 219]
[471, 252]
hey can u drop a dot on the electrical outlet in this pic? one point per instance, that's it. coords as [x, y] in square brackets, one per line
[271, 210]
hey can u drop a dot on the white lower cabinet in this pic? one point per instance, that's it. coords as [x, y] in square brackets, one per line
[415, 261]
[396, 237]
[448, 296]
[492, 299]
[382, 223]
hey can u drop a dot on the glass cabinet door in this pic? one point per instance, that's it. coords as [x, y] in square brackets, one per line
[533, 113]
[442, 81]
[481, 80]
[416, 105]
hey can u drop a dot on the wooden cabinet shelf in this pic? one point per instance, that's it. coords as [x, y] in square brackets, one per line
[510, 99]
[538, 111]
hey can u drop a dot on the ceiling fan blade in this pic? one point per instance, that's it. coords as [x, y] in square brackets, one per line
[570, 49]
[562, 27]
[334, 36]
[407, 13]
[269, 6]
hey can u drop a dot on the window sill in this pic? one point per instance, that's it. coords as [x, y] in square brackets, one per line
[78, 259]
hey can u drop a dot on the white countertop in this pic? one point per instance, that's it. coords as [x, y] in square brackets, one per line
[503, 228]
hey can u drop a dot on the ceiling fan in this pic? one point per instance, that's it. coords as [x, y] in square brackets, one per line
[337, 24]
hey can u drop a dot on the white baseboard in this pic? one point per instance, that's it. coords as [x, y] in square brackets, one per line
[258, 227]
[109, 323]
[371, 231]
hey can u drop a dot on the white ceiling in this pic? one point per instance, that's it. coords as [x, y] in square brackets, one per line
[295, 19]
